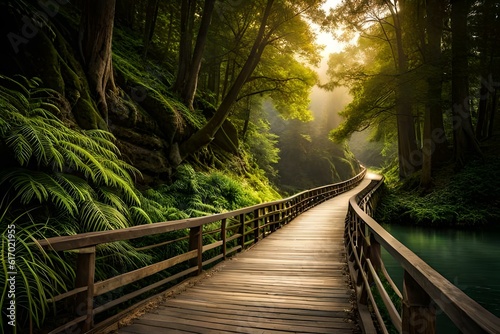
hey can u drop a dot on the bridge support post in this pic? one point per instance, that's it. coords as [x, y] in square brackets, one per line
[85, 272]
[419, 315]
[196, 242]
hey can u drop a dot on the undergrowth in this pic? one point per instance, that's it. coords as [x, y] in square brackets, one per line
[199, 193]
[469, 197]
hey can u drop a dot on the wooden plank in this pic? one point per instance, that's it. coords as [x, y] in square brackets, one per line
[264, 312]
[293, 281]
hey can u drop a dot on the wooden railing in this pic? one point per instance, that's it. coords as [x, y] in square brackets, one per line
[229, 232]
[424, 289]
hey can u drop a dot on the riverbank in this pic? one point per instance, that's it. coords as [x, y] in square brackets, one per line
[464, 199]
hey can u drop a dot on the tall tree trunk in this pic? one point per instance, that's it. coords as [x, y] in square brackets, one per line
[96, 34]
[488, 39]
[186, 43]
[407, 147]
[170, 27]
[435, 145]
[125, 12]
[149, 25]
[464, 141]
[247, 120]
[191, 80]
[205, 135]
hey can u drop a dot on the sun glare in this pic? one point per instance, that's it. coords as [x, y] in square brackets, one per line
[325, 38]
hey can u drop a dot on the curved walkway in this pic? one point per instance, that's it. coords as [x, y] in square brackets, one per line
[294, 281]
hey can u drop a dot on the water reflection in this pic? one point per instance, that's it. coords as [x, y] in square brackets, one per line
[467, 258]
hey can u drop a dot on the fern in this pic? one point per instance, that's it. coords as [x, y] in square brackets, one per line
[73, 179]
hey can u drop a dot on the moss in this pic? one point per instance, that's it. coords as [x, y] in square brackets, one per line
[147, 84]
[87, 115]
[43, 52]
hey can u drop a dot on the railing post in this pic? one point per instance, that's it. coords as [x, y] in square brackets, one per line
[272, 218]
[223, 238]
[85, 272]
[419, 315]
[256, 225]
[196, 242]
[284, 213]
[242, 231]
[280, 217]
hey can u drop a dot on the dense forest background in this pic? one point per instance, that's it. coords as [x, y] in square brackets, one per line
[120, 112]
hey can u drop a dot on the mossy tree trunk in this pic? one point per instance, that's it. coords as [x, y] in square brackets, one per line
[96, 34]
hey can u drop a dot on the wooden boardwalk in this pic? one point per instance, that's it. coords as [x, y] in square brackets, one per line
[294, 281]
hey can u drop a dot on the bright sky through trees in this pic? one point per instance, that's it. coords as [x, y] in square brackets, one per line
[326, 38]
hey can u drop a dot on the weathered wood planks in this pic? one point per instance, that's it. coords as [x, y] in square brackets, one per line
[294, 281]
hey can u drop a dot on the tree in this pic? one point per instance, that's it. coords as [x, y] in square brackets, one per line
[464, 141]
[185, 43]
[485, 25]
[275, 27]
[191, 80]
[435, 144]
[383, 21]
[96, 33]
[203, 136]
[149, 24]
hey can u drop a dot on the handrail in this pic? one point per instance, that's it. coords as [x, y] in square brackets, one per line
[232, 231]
[424, 287]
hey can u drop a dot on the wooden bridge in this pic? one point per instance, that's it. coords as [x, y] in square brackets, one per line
[291, 274]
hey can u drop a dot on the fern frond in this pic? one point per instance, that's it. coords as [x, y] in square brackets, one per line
[41, 275]
[31, 185]
[104, 138]
[85, 162]
[21, 147]
[109, 197]
[139, 216]
[118, 257]
[96, 216]
[76, 187]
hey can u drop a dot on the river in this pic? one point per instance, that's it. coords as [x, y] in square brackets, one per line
[470, 259]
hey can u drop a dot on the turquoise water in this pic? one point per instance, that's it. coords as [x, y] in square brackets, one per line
[469, 259]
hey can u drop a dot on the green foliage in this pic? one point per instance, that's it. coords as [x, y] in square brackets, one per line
[467, 198]
[262, 145]
[58, 180]
[151, 80]
[195, 194]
